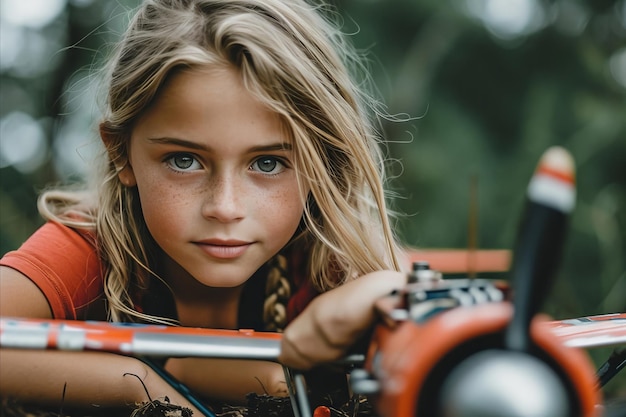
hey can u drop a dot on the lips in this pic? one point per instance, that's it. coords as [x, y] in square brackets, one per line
[224, 249]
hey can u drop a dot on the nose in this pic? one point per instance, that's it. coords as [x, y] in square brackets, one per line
[224, 199]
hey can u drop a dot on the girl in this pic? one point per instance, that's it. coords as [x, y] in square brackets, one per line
[242, 177]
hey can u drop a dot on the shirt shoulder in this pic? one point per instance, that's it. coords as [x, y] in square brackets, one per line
[64, 263]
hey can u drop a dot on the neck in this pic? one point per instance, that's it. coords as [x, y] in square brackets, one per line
[199, 305]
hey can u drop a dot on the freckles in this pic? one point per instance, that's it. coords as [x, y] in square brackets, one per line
[172, 193]
[285, 195]
[289, 202]
[280, 206]
[178, 193]
[162, 201]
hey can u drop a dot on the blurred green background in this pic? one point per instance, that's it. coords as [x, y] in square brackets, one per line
[491, 84]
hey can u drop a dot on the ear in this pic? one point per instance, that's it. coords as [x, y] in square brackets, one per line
[127, 175]
[120, 159]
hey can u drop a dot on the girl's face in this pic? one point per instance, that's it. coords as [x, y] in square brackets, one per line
[215, 177]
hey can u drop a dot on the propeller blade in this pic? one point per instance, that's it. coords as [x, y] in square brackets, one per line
[551, 198]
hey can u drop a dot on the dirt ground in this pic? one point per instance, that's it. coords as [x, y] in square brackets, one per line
[257, 406]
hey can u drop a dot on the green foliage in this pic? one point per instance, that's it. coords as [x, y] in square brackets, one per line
[488, 108]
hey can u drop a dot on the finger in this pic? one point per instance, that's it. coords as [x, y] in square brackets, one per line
[302, 345]
[335, 320]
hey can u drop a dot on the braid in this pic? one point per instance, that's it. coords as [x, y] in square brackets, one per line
[277, 293]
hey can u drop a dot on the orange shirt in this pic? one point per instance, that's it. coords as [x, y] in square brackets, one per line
[64, 264]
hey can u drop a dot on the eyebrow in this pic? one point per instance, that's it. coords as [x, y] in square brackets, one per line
[279, 146]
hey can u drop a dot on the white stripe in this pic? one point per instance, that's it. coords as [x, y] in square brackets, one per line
[552, 192]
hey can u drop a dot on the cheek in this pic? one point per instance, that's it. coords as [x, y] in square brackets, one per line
[162, 207]
[284, 211]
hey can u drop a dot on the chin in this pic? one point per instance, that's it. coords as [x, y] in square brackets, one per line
[224, 281]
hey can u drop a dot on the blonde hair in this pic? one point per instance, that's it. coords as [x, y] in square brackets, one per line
[291, 57]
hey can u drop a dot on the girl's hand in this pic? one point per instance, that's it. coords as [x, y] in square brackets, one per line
[334, 321]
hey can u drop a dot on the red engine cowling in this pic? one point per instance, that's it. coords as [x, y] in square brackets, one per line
[414, 365]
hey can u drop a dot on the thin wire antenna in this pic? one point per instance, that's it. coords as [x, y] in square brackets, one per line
[142, 383]
[61, 414]
[472, 227]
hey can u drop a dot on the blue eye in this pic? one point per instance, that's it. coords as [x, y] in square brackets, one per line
[182, 162]
[268, 165]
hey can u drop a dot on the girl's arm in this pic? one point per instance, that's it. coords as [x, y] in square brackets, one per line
[36, 376]
[335, 320]
[81, 380]
[98, 378]
[230, 380]
[20, 297]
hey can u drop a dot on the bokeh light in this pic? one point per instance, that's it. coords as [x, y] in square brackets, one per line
[22, 142]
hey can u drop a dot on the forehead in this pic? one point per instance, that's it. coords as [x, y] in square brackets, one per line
[188, 83]
[210, 105]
